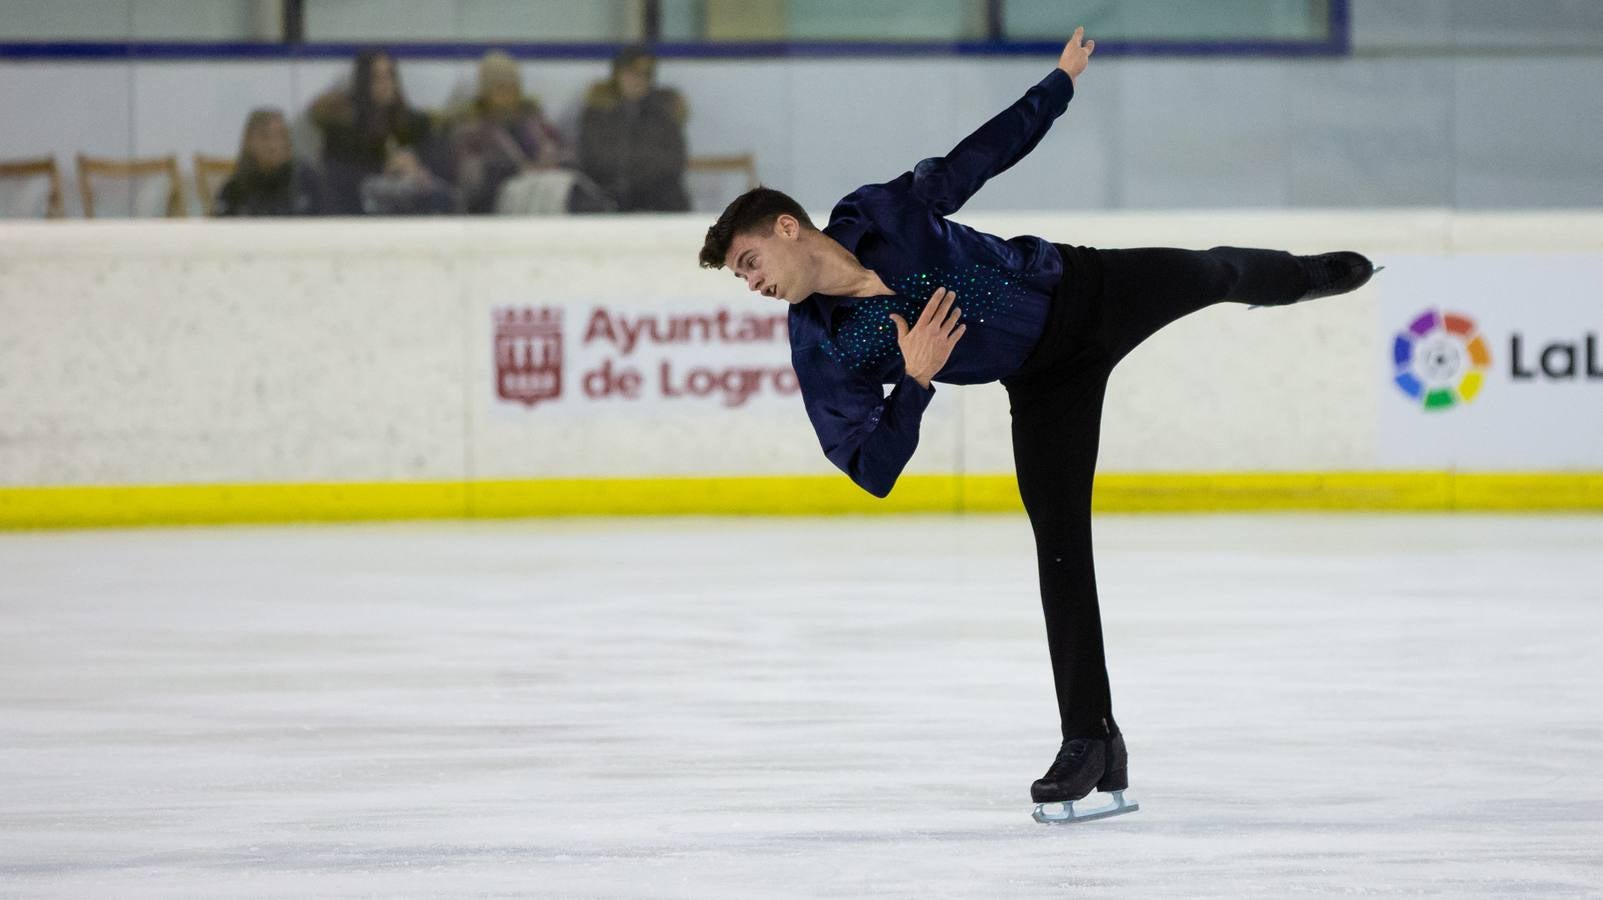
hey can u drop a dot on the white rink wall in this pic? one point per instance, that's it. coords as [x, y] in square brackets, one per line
[152, 352]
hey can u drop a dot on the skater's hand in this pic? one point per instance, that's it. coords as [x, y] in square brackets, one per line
[926, 346]
[1076, 56]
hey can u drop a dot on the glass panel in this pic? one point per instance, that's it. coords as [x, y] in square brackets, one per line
[1539, 24]
[854, 20]
[549, 20]
[1470, 25]
[145, 20]
[45, 20]
[683, 20]
[473, 20]
[743, 20]
[378, 20]
[207, 20]
[1168, 20]
[823, 20]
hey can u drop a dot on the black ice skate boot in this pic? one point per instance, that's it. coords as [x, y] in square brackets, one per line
[1330, 274]
[1081, 764]
[1116, 775]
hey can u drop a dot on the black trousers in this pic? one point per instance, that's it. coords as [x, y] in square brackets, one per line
[1108, 302]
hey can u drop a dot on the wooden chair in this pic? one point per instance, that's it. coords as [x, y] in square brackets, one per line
[44, 167]
[91, 167]
[737, 164]
[741, 162]
[211, 173]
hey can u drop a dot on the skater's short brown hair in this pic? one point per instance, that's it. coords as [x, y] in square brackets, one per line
[751, 212]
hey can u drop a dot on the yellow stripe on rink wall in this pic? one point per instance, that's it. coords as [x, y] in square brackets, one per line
[82, 507]
[206, 504]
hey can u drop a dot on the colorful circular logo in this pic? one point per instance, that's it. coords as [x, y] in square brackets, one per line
[1441, 359]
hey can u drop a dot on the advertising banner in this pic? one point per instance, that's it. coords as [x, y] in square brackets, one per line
[679, 357]
[1492, 361]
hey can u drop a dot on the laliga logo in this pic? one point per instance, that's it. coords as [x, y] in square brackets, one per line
[1441, 359]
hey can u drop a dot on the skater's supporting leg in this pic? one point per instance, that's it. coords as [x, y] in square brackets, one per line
[1054, 450]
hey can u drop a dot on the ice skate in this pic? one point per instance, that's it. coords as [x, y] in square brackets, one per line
[1081, 764]
[1330, 274]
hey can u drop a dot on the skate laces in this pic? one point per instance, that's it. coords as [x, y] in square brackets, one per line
[1069, 755]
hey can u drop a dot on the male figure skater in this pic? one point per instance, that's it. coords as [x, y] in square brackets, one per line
[891, 292]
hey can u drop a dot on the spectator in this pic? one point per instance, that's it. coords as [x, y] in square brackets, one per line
[631, 136]
[267, 179]
[502, 134]
[379, 154]
[407, 187]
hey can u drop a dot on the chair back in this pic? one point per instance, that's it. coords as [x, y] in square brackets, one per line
[211, 173]
[713, 181]
[150, 183]
[30, 189]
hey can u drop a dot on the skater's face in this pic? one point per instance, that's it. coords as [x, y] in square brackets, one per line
[768, 262]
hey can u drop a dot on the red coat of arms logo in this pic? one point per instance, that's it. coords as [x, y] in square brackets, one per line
[528, 354]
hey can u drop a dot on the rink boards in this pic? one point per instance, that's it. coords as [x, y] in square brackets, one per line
[199, 372]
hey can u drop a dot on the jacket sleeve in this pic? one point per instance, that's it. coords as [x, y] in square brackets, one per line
[946, 182]
[866, 434]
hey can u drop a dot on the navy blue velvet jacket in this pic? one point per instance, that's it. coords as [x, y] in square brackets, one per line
[844, 349]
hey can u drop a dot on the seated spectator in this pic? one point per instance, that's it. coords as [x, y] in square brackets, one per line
[267, 179]
[631, 136]
[501, 134]
[380, 155]
[408, 187]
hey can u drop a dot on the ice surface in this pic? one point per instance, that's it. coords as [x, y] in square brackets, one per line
[796, 708]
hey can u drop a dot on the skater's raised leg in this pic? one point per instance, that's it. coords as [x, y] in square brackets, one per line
[1146, 289]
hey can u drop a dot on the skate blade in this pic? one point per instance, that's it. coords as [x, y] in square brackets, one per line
[1071, 816]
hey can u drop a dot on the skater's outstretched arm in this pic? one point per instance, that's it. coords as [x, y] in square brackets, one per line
[946, 182]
